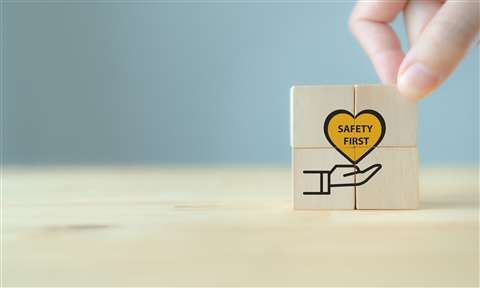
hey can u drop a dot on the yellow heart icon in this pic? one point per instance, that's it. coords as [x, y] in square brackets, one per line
[354, 136]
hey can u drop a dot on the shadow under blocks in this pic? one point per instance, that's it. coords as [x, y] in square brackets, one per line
[353, 147]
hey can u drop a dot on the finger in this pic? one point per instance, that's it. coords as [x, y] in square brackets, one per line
[417, 14]
[358, 171]
[374, 166]
[367, 174]
[369, 23]
[439, 48]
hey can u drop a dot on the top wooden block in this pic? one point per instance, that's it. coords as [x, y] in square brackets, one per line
[400, 114]
[310, 106]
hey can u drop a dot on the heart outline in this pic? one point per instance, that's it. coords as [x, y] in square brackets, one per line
[343, 111]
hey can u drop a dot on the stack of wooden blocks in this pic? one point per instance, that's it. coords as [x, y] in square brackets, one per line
[326, 176]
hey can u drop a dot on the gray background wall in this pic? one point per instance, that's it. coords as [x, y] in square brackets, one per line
[191, 83]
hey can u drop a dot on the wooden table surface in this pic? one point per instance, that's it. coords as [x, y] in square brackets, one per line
[115, 226]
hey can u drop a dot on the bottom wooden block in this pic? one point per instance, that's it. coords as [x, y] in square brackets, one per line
[395, 186]
[318, 179]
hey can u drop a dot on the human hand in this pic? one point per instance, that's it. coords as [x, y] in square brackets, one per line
[348, 177]
[440, 33]
[329, 179]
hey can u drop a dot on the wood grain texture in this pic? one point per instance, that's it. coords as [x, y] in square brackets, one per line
[399, 113]
[227, 227]
[395, 186]
[310, 106]
[325, 159]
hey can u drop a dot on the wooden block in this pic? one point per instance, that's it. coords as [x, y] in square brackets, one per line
[310, 105]
[400, 114]
[395, 185]
[315, 180]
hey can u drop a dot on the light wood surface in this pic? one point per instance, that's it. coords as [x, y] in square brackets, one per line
[395, 186]
[227, 226]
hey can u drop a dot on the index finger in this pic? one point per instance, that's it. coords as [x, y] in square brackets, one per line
[369, 23]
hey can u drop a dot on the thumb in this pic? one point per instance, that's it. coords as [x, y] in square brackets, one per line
[438, 50]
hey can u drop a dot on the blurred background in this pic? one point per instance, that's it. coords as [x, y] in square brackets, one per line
[192, 83]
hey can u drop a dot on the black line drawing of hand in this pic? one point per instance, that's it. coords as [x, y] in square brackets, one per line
[344, 172]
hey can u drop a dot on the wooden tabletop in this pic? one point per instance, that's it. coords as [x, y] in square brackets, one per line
[115, 226]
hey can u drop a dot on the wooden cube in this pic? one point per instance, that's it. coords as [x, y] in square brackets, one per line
[310, 105]
[400, 114]
[314, 181]
[395, 186]
[331, 168]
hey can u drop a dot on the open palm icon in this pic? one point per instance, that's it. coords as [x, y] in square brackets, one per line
[341, 175]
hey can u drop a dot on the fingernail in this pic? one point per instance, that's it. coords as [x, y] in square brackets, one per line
[417, 81]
